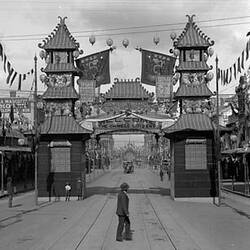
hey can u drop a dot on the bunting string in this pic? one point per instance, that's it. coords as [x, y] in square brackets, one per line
[226, 76]
[11, 72]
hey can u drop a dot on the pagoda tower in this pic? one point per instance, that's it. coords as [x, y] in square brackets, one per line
[192, 50]
[192, 138]
[61, 148]
[59, 51]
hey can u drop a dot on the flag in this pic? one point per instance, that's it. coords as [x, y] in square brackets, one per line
[1, 51]
[235, 72]
[239, 69]
[4, 62]
[230, 79]
[242, 59]
[13, 78]
[155, 64]
[247, 50]
[10, 72]
[19, 82]
[11, 114]
[95, 67]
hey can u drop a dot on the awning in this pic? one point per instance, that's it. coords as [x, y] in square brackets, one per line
[15, 149]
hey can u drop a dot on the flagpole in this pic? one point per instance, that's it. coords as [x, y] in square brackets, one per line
[218, 133]
[35, 126]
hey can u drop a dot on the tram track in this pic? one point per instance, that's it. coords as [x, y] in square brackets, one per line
[157, 222]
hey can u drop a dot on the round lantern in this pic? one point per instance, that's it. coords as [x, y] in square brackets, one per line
[92, 39]
[156, 40]
[233, 138]
[21, 142]
[176, 52]
[42, 54]
[109, 42]
[173, 35]
[47, 60]
[210, 76]
[205, 56]
[210, 51]
[43, 77]
[177, 76]
[125, 42]
[76, 53]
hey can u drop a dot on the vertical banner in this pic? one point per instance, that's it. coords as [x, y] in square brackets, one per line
[86, 90]
[164, 87]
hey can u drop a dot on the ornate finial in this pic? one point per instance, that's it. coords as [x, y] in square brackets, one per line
[190, 18]
[62, 20]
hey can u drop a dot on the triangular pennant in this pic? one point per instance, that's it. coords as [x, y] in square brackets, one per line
[4, 62]
[247, 50]
[226, 80]
[230, 74]
[10, 72]
[32, 71]
[24, 77]
[242, 59]
[1, 51]
[19, 82]
[218, 73]
[235, 72]
[13, 78]
[221, 77]
[239, 69]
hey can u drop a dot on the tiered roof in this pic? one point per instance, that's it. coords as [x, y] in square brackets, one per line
[201, 91]
[62, 125]
[60, 38]
[65, 92]
[60, 67]
[127, 90]
[192, 36]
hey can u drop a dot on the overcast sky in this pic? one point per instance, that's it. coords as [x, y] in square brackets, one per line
[20, 18]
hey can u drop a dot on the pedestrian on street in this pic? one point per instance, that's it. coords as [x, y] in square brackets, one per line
[67, 191]
[161, 174]
[79, 189]
[10, 190]
[123, 213]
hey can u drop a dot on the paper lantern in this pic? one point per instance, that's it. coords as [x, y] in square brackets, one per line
[173, 35]
[76, 53]
[210, 51]
[156, 40]
[109, 42]
[125, 42]
[92, 39]
[210, 76]
[205, 56]
[42, 54]
[233, 138]
[176, 52]
[43, 77]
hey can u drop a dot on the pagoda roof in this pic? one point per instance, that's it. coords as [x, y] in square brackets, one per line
[196, 121]
[192, 36]
[60, 67]
[193, 65]
[60, 124]
[200, 90]
[65, 92]
[127, 90]
[60, 38]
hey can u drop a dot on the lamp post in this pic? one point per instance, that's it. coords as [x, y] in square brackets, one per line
[35, 126]
[218, 134]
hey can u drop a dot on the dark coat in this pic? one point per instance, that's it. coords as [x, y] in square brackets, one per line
[122, 204]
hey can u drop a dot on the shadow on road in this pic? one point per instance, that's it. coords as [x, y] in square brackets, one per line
[113, 190]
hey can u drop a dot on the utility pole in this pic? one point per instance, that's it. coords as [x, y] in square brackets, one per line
[218, 134]
[35, 126]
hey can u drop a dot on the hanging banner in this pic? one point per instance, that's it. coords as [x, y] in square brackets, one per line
[164, 87]
[20, 105]
[95, 67]
[155, 64]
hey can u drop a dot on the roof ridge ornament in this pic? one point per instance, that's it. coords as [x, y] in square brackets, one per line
[62, 20]
[190, 18]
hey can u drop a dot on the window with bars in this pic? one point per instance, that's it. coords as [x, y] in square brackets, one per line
[60, 156]
[195, 154]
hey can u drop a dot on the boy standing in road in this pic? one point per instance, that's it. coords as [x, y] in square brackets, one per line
[123, 213]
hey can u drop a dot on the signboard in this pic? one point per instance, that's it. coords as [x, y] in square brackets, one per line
[86, 90]
[164, 87]
[22, 105]
[128, 123]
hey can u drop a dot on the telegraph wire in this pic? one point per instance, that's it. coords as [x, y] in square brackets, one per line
[32, 36]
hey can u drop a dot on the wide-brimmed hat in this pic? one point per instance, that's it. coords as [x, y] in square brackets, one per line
[124, 186]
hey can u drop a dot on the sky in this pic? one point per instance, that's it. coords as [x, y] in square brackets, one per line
[20, 19]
